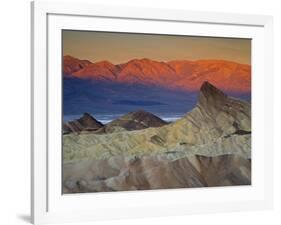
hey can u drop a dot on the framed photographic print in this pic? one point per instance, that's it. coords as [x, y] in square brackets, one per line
[149, 112]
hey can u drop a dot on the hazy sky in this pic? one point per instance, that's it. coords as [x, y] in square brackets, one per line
[122, 47]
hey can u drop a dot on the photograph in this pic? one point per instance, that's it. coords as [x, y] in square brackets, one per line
[144, 111]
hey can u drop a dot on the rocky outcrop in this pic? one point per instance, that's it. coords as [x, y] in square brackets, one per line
[133, 121]
[85, 123]
[224, 109]
[155, 172]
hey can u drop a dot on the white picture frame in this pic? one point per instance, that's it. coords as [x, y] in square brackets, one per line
[48, 205]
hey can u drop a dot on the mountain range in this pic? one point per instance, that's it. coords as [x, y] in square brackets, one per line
[183, 75]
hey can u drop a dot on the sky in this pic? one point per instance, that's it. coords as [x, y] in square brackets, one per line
[122, 47]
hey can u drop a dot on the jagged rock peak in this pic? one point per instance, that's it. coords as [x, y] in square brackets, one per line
[87, 115]
[88, 121]
[209, 89]
[84, 123]
[210, 95]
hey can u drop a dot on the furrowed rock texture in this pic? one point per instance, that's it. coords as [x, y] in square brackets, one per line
[155, 172]
[217, 125]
